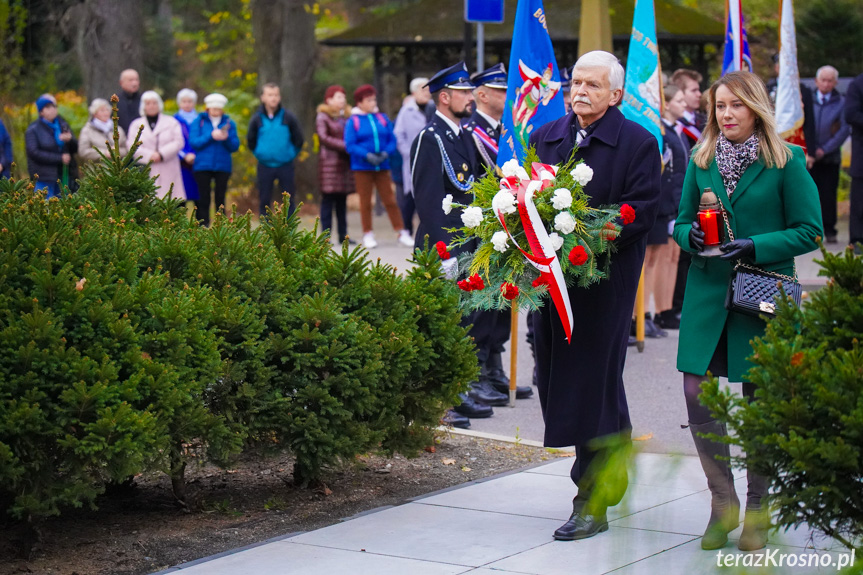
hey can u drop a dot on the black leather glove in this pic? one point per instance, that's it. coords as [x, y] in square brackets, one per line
[696, 237]
[738, 249]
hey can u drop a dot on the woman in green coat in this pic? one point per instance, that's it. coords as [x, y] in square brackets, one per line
[774, 213]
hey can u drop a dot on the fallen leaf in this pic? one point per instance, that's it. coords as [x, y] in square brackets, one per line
[644, 437]
[465, 469]
[430, 448]
[448, 461]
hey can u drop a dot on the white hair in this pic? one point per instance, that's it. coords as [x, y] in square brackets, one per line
[602, 59]
[148, 96]
[418, 83]
[830, 69]
[187, 93]
[97, 105]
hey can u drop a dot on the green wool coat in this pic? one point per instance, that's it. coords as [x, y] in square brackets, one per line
[779, 210]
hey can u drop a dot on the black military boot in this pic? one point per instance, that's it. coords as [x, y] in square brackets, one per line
[483, 392]
[454, 419]
[493, 372]
[470, 408]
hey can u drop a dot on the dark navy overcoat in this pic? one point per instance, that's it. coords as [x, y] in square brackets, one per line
[581, 384]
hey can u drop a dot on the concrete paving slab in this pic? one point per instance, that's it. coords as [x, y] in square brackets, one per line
[595, 556]
[438, 534]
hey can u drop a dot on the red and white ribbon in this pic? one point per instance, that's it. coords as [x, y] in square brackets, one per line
[542, 255]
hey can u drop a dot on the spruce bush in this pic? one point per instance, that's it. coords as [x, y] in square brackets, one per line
[804, 431]
[132, 339]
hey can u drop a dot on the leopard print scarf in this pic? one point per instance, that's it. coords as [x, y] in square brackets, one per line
[733, 159]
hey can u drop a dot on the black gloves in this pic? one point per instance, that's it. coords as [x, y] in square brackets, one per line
[696, 237]
[738, 249]
[376, 159]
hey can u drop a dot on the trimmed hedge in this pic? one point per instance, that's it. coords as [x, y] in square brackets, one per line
[132, 339]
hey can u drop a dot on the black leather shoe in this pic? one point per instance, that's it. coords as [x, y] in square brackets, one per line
[521, 391]
[651, 329]
[470, 408]
[667, 320]
[454, 419]
[483, 392]
[581, 526]
[493, 373]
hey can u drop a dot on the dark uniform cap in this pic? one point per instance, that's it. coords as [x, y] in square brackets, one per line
[494, 77]
[565, 78]
[455, 77]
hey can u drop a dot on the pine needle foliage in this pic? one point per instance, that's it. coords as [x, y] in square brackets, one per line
[804, 431]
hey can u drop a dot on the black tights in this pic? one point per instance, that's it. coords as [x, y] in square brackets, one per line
[697, 412]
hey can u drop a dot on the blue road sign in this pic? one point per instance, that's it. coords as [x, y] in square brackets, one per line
[488, 11]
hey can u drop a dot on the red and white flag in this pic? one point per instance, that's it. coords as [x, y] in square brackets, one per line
[789, 103]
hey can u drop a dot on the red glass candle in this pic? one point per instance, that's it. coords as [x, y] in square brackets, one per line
[710, 218]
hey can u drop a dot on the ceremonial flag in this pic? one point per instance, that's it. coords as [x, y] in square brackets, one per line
[533, 94]
[642, 94]
[737, 56]
[789, 106]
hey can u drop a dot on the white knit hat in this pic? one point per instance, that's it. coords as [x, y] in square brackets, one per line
[215, 100]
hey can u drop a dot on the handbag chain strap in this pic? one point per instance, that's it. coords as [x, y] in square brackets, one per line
[740, 264]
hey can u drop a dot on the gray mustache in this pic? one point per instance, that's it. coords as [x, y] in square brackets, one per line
[582, 99]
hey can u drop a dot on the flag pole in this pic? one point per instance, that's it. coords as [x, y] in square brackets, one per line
[513, 348]
[639, 313]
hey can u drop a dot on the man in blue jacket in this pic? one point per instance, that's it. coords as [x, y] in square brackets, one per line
[6, 158]
[275, 138]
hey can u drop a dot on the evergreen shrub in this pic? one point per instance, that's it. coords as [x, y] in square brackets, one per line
[805, 429]
[132, 339]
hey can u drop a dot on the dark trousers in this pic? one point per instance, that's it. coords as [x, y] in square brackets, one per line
[204, 179]
[407, 206]
[826, 178]
[490, 332]
[267, 177]
[855, 221]
[340, 203]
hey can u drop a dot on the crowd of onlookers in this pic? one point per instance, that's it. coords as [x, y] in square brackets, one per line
[363, 151]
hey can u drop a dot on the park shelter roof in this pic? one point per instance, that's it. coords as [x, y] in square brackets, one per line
[441, 22]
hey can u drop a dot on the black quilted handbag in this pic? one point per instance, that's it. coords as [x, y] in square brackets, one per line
[753, 291]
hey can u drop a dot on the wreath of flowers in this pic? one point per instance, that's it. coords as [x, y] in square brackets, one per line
[500, 271]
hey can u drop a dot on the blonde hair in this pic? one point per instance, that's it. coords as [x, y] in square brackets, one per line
[751, 91]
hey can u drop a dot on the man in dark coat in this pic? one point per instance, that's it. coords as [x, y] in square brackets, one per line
[854, 117]
[443, 165]
[492, 333]
[129, 106]
[581, 384]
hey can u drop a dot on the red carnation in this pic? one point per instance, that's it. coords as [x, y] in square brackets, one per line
[578, 256]
[509, 291]
[442, 251]
[627, 214]
[476, 282]
[464, 285]
[608, 232]
[540, 281]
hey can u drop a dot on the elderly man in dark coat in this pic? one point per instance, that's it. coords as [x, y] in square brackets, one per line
[854, 117]
[581, 384]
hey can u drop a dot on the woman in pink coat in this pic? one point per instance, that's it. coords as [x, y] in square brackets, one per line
[161, 140]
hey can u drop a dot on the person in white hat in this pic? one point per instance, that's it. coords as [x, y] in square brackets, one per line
[213, 135]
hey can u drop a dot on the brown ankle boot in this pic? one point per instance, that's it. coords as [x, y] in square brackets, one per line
[724, 504]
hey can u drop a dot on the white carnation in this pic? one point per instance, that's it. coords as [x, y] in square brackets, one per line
[582, 174]
[504, 202]
[447, 204]
[472, 216]
[556, 241]
[510, 168]
[563, 222]
[562, 199]
[522, 173]
[500, 240]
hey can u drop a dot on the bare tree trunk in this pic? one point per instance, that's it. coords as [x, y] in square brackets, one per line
[287, 52]
[108, 38]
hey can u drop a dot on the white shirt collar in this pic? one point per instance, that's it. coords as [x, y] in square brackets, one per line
[689, 116]
[453, 125]
[491, 121]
